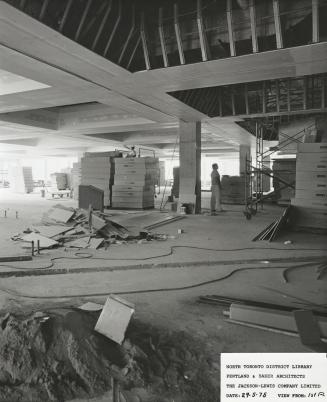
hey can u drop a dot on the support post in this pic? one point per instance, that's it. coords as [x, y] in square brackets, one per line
[305, 93]
[114, 29]
[85, 12]
[230, 28]
[103, 22]
[205, 50]
[246, 97]
[64, 17]
[43, 9]
[137, 44]
[162, 39]
[278, 26]
[190, 163]
[144, 44]
[253, 27]
[315, 21]
[178, 35]
[131, 31]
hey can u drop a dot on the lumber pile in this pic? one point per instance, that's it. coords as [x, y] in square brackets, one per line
[21, 179]
[274, 229]
[285, 170]
[134, 183]
[310, 200]
[76, 178]
[97, 169]
[232, 189]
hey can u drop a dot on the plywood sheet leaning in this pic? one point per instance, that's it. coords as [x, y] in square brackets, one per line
[114, 318]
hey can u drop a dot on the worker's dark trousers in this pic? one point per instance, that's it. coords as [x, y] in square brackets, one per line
[215, 198]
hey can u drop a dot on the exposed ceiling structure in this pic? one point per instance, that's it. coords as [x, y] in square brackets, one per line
[59, 97]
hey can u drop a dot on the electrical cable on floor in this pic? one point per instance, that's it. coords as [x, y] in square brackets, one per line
[174, 289]
[79, 255]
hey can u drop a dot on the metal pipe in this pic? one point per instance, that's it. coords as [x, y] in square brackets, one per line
[205, 50]
[43, 9]
[64, 18]
[162, 39]
[128, 37]
[86, 10]
[144, 44]
[278, 27]
[315, 21]
[230, 28]
[103, 22]
[178, 35]
[114, 29]
[253, 27]
[133, 52]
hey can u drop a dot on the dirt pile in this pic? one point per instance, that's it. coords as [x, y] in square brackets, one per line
[63, 358]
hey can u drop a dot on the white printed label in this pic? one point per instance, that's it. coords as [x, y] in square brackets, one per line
[274, 377]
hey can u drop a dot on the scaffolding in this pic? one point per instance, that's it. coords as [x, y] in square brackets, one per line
[254, 172]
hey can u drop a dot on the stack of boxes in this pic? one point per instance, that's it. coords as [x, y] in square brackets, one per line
[134, 183]
[284, 169]
[21, 179]
[97, 170]
[59, 181]
[310, 200]
[76, 178]
[233, 189]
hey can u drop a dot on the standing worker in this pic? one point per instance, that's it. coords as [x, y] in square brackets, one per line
[215, 190]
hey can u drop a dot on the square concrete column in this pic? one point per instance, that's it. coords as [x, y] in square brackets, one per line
[190, 164]
[245, 153]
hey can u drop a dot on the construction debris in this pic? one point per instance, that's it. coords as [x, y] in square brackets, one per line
[281, 320]
[273, 230]
[82, 229]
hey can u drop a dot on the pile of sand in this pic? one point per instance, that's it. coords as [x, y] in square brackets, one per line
[62, 358]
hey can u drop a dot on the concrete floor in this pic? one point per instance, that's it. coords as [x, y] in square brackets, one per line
[127, 268]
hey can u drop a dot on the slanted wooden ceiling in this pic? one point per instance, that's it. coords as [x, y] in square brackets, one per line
[117, 100]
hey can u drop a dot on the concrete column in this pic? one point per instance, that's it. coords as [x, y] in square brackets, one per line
[190, 163]
[245, 152]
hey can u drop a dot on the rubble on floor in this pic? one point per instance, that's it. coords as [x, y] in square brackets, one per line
[58, 356]
[78, 228]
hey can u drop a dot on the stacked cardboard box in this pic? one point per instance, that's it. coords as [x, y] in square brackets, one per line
[59, 181]
[134, 183]
[311, 186]
[232, 189]
[96, 170]
[76, 178]
[21, 179]
[284, 169]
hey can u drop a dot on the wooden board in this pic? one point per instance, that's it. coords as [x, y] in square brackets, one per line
[45, 242]
[271, 318]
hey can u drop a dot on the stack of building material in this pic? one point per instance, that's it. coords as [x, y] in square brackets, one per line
[59, 181]
[134, 184]
[76, 178]
[310, 200]
[21, 179]
[232, 189]
[96, 170]
[284, 172]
